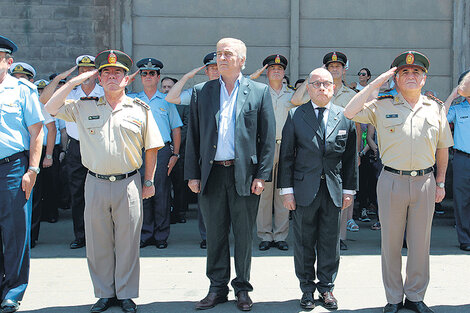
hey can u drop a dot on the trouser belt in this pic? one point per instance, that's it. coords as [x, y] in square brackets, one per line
[113, 177]
[409, 173]
[12, 157]
[463, 153]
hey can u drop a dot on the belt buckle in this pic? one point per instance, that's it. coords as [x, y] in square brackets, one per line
[413, 173]
[112, 178]
[226, 163]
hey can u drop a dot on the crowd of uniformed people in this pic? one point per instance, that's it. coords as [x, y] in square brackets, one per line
[87, 145]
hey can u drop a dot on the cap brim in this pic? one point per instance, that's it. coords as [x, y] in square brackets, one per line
[412, 65]
[86, 65]
[274, 63]
[113, 65]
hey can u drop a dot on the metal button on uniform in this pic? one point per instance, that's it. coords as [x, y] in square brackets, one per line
[215, 147]
[211, 161]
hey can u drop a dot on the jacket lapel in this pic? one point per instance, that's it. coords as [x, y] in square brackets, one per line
[243, 91]
[215, 102]
[333, 119]
[310, 118]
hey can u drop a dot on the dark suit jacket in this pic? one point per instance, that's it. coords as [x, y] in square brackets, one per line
[255, 131]
[302, 159]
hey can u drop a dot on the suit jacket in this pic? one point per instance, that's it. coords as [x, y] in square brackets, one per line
[304, 157]
[255, 130]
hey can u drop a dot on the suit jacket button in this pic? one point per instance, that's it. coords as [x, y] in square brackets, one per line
[215, 147]
[211, 161]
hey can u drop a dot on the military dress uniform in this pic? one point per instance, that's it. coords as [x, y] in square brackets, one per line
[273, 218]
[408, 138]
[19, 109]
[156, 224]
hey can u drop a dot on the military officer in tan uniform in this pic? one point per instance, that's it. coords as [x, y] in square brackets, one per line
[113, 131]
[273, 218]
[413, 135]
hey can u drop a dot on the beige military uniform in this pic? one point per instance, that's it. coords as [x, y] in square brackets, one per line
[111, 142]
[343, 96]
[270, 198]
[407, 139]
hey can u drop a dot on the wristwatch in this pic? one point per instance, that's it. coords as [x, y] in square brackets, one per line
[440, 185]
[148, 183]
[34, 169]
[49, 156]
[176, 155]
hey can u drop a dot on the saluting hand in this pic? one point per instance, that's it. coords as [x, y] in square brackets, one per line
[78, 80]
[379, 81]
[193, 72]
[66, 74]
[258, 72]
[132, 77]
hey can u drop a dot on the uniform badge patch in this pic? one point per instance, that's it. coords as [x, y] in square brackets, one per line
[410, 58]
[112, 58]
[391, 116]
[93, 117]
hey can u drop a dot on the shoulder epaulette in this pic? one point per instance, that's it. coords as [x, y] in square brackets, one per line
[89, 98]
[28, 83]
[385, 97]
[141, 103]
[439, 101]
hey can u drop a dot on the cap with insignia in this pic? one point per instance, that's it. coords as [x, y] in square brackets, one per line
[276, 59]
[114, 58]
[6, 45]
[209, 59]
[22, 68]
[150, 64]
[410, 58]
[335, 56]
[85, 60]
[41, 84]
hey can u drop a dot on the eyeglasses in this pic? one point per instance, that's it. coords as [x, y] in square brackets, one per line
[362, 74]
[317, 84]
[151, 73]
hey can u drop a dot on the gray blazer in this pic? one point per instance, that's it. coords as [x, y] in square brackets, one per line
[304, 157]
[255, 131]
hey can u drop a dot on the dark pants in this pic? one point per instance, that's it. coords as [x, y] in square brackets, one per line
[367, 181]
[461, 186]
[77, 176]
[180, 190]
[222, 209]
[201, 224]
[316, 236]
[46, 195]
[15, 223]
[156, 224]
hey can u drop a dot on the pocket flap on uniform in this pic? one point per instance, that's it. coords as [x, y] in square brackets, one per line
[392, 120]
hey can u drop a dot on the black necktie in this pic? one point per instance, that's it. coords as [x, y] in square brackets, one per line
[320, 120]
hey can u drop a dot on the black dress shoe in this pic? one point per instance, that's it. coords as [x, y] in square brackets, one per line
[9, 306]
[203, 244]
[342, 245]
[181, 220]
[465, 247]
[282, 245]
[328, 300]
[265, 245]
[102, 305]
[244, 302]
[307, 301]
[419, 306]
[210, 301]
[161, 244]
[77, 244]
[393, 308]
[128, 306]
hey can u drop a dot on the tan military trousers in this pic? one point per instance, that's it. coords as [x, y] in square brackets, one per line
[113, 220]
[405, 202]
[272, 228]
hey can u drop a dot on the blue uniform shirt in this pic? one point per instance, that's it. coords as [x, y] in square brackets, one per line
[19, 109]
[165, 113]
[459, 114]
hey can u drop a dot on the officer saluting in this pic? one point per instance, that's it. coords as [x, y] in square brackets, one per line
[413, 134]
[113, 131]
[20, 130]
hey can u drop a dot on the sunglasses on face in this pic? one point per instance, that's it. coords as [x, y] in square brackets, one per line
[151, 73]
[362, 74]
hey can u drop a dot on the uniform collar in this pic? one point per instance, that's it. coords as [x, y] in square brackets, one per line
[9, 82]
[158, 94]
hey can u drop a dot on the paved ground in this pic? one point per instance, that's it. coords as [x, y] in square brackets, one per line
[172, 280]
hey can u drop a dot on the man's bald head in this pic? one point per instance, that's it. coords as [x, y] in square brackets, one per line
[320, 86]
[321, 73]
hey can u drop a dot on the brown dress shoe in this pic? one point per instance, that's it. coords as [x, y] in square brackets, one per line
[210, 301]
[244, 302]
[328, 300]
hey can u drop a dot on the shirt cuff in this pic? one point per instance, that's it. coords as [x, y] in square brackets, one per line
[286, 191]
[349, 192]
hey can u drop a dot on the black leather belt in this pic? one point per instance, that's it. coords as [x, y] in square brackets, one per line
[12, 157]
[409, 173]
[463, 153]
[113, 177]
[226, 163]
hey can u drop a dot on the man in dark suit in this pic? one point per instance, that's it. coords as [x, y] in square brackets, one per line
[229, 156]
[317, 177]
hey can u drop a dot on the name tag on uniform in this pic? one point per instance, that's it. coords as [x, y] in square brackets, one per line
[466, 116]
[93, 117]
[391, 116]
[341, 132]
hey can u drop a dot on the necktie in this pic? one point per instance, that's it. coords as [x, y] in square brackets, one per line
[320, 120]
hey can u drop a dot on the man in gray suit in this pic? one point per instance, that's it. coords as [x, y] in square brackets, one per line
[229, 156]
[317, 177]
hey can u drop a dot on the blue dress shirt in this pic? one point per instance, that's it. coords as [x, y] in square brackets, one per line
[459, 114]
